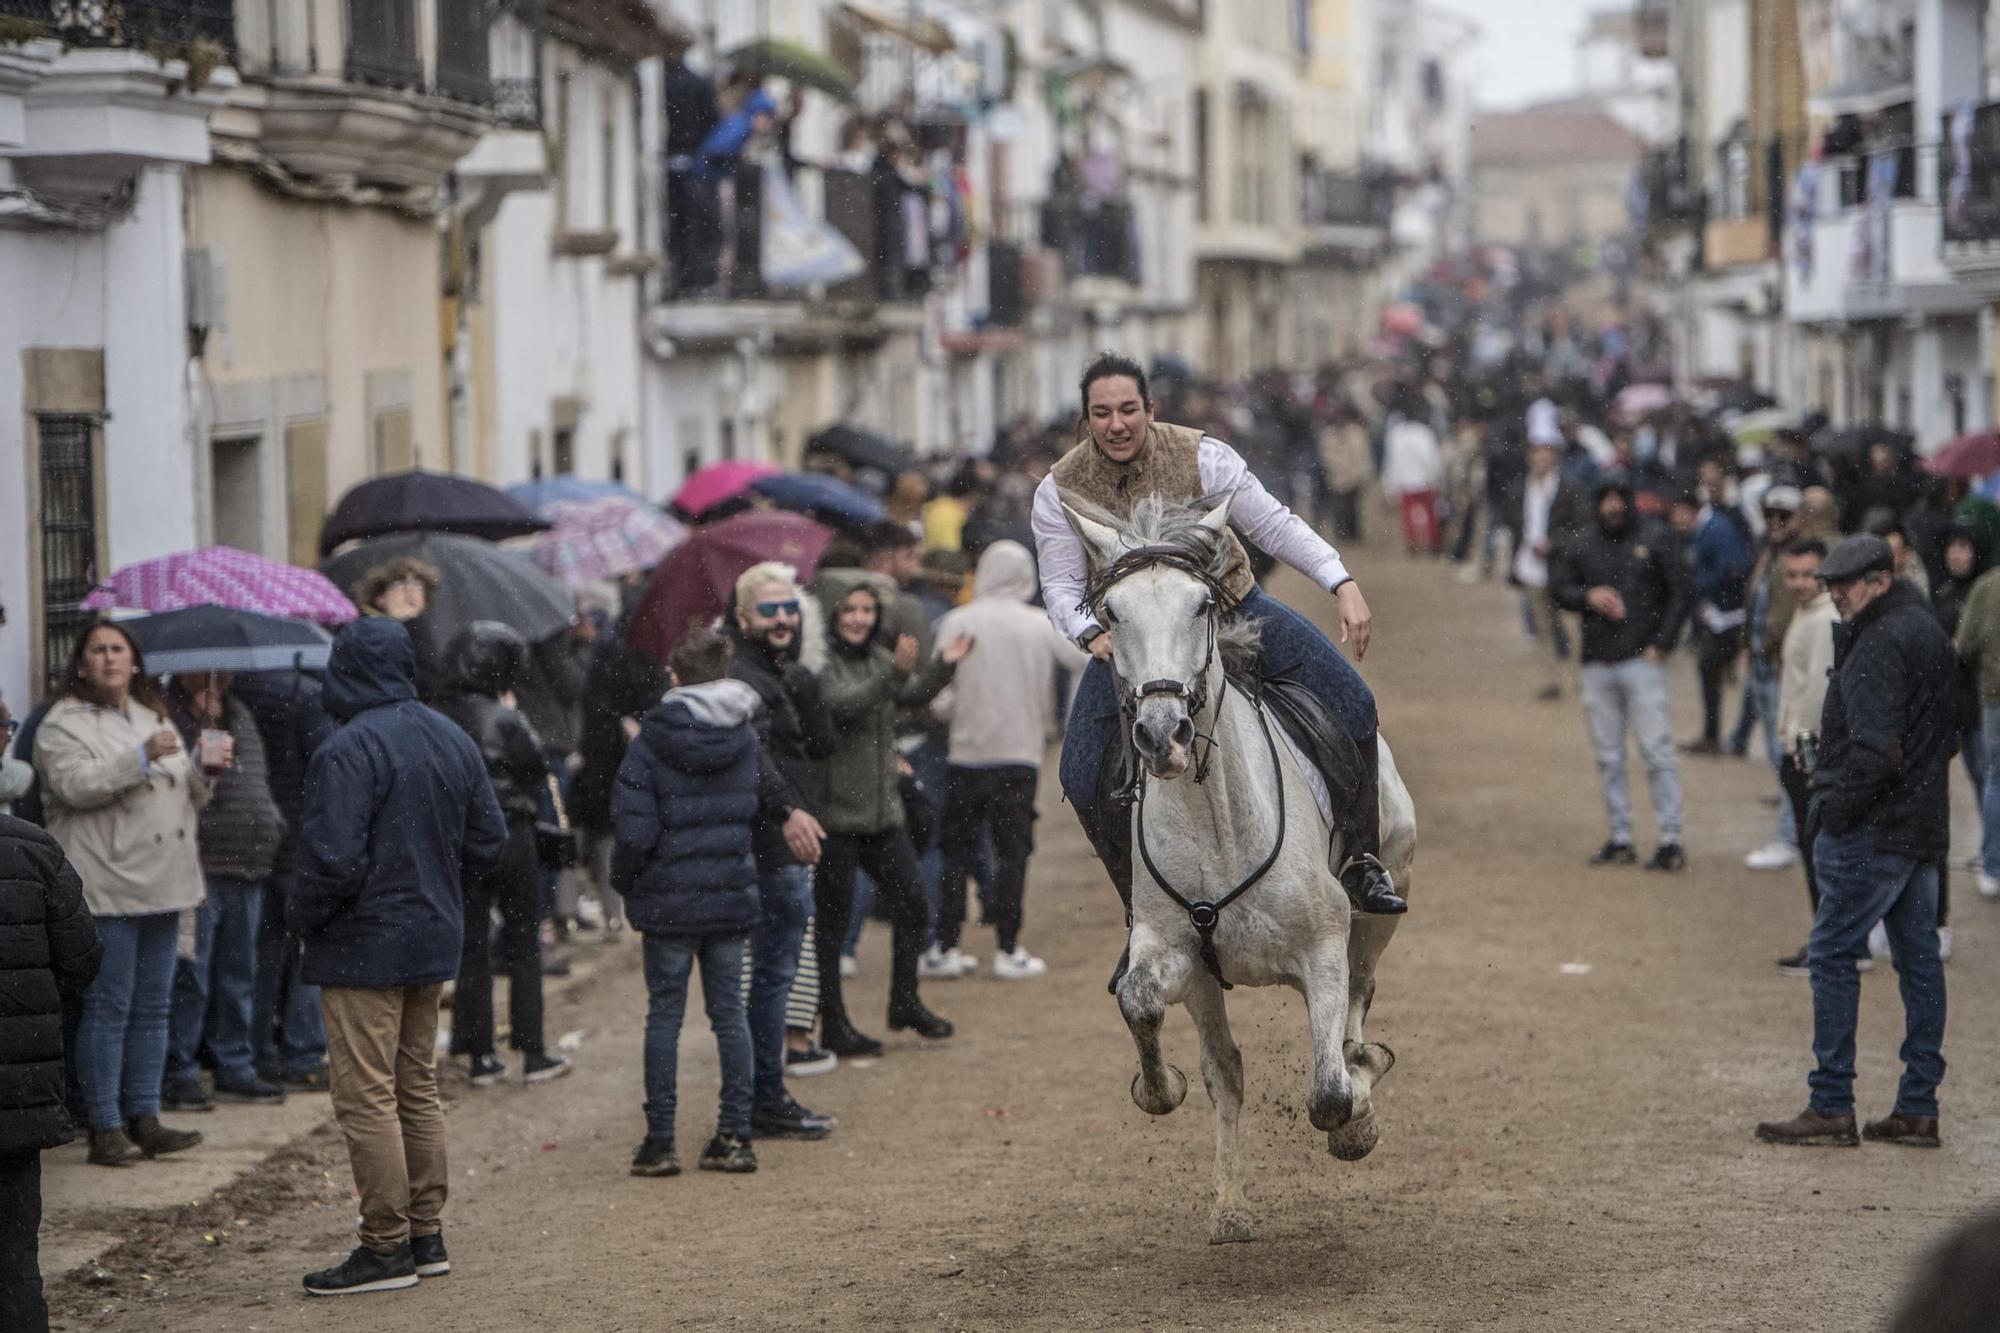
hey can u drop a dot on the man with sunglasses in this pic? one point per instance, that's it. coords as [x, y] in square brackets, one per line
[793, 728]
[1770, 614]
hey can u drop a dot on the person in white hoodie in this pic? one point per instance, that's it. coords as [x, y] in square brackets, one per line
[1412, 466]
[1003, 709]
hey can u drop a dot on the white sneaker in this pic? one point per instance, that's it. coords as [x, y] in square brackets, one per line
[1989, 887]
[1878, 941]
[1467, 573]
[941, 965]
[1017, 966]
[1944, 944]
[1773, 855]
[848, 967]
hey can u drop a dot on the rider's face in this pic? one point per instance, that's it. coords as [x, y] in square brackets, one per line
[1118, 415]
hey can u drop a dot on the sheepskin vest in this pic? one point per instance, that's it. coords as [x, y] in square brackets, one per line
[1167, 465]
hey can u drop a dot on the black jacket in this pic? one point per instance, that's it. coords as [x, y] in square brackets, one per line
[622, 683]
[484, 660]
[1641, 564]
[292, 721]
[1890, 727]
[48, 955]
[794, 730]
[241, 828]
[397, 804]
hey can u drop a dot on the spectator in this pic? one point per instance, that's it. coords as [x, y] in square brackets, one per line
[694, 219]
[1719, 560]
[122, 798]
[1771, 604]
[49, 954]
[1344, 469]
[1628, 587]
[1879, 791]
[1412, 467]
[861, 806]
[1978, 644]
[240, 829]
[685, 808]
[1002, 711]
[767, 638]
[17, 775]
[621, 686]
[1552, 513]
[1804, 663]
[401, 590]
[397, 806]
[483, 665]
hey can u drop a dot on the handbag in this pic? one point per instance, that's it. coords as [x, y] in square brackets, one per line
[557, 845]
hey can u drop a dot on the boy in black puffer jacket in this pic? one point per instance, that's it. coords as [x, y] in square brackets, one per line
[683, 811]
[48, 956]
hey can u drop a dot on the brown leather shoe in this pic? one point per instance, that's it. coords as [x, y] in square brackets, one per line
[155, 1139]
[1810, 1129]
[1912, 1131]
[110, 1147]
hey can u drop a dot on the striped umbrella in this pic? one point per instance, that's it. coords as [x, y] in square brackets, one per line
[596, 540]
[223, 576]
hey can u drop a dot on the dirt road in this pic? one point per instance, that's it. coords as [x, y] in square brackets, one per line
[1563, 1149]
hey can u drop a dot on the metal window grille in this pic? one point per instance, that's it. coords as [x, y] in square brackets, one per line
[69, 531]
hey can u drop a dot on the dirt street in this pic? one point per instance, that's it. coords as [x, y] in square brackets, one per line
[1566, 1137]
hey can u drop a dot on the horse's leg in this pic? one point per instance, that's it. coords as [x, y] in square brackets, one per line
[1154, 975]
[1222, 1074]
[1330, 1101]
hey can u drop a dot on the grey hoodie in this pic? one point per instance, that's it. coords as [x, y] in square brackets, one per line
[1002, 704]
[727, 702]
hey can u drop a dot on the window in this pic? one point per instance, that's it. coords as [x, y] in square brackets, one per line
[235, 489]
[69, 530]
[305, 487]
[607, 137]
[394, 446]
[565, 450]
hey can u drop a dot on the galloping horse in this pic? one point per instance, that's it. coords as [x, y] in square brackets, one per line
[1234, 881]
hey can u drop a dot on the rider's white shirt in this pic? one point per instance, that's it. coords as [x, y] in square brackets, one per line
[1281, 534]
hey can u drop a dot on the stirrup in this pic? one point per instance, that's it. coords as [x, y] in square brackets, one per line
[1384, 901]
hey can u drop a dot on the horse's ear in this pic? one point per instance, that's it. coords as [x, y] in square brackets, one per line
[1216, 519]
[1100, 541]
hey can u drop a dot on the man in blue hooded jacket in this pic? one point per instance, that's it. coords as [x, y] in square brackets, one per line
[397, 803]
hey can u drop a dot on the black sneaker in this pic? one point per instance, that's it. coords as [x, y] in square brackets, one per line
[487, 1070]
[254, 1093]
[365, 1270]
[913, 1017]
[810, 1061]
[726, 1152]
[1795, 965]
[429, 1253]
[788, 1120]
[841, 1037]
[1615, 854]
[543, 1068]
[1669, 857]
[185, 1096]
[655, 1157]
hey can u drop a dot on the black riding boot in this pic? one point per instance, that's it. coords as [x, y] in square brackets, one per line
[1364, 876]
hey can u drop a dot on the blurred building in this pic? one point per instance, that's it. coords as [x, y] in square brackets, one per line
[1553, 175]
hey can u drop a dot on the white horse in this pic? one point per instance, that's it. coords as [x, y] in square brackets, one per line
[1202, 826]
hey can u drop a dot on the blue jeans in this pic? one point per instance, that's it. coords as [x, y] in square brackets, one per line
[288, 1033]
[1762, 688]
[1290, 645]
[1858, 886]
[121, 1044]
[1989, 798]
[670, 960]
[786, 898]
[1632, 693]
[214, 994]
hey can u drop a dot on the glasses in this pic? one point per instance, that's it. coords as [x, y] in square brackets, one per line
[772, 610]
[409, 581]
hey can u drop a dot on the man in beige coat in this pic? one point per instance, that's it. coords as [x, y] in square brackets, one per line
[1805, 661]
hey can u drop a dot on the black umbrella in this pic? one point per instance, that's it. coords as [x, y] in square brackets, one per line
[863, 449]
[1858, 439]
[420, 501]
[476, 581]
[221, 638]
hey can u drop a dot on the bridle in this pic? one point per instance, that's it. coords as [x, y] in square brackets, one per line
[1203, 913]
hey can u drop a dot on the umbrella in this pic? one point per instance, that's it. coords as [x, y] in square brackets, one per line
[828, 499]
[420, 501]
[1967, 456]
[1636, 400]
[223, 576]
[1858, 439]
[542, 492]
[716, 484]
[697, 582]
[863, 449]
[789, 60]
[1759, 426]
[220, 638]
[595, 540]
[476, 581]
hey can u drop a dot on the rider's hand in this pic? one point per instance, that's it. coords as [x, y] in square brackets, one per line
[1356, 622]
[1100, 647]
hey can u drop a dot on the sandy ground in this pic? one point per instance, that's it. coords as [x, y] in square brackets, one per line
[1566, 1137]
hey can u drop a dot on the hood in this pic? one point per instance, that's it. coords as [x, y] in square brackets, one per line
[1006, 571]
[831, 588]
[1982, 548]
[486, 657]
[373, 665]
[676, 734]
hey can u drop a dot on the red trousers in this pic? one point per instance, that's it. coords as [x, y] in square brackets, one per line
[1420, 521]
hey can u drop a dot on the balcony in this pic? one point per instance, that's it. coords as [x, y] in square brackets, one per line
[1884, 260]
[1969, 181]
[139, 24]
[1671, 201]
[1345, 213]
[382, 47]
[1093, 240]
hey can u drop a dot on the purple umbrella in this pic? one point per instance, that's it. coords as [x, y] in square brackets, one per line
[223, 576]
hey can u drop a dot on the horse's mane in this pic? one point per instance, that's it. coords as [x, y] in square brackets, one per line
[1161, 532]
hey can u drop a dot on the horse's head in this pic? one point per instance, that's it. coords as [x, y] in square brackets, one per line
[1156, 586]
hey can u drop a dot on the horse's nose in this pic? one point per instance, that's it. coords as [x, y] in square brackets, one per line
[1154, 736]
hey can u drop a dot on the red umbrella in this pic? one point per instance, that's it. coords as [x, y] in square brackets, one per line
[697, 580]
[1967, 456]
[716, 484]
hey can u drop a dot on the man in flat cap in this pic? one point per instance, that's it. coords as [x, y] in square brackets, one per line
[1879, 803]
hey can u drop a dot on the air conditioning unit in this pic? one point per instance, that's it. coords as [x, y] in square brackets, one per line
[206, 283]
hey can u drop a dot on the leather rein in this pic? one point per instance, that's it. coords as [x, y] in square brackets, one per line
[1203, 913]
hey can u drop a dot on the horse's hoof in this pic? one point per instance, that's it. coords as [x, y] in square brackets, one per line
[1371, 1058]
[1230, 1226]
[1177, 1086]
[1330, 1108]
[1354, 1140]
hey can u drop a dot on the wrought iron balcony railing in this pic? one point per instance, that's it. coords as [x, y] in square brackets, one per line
[134, 23]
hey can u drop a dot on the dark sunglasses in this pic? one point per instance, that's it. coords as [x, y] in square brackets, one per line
[772, 610]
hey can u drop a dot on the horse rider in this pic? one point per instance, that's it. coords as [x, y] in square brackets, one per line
[1128, 455]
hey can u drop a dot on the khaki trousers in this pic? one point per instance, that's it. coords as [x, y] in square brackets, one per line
[381, 1054]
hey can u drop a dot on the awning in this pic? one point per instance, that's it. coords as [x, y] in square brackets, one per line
[1860, 97]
